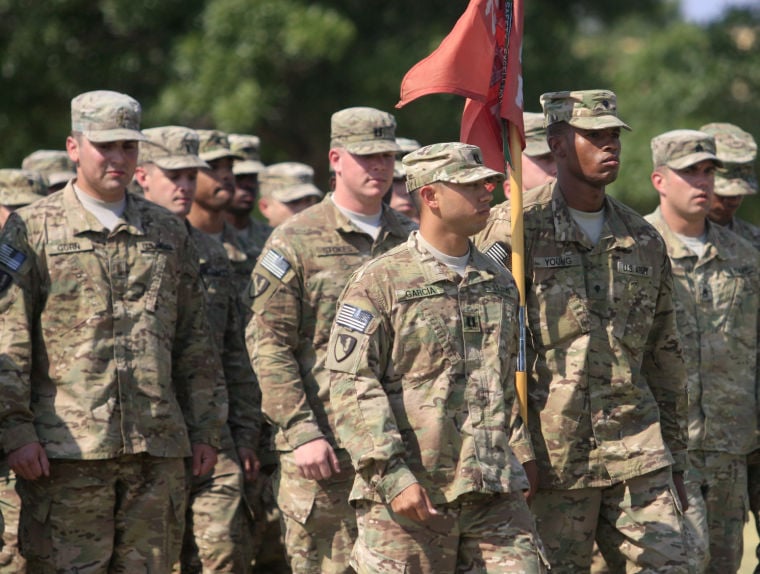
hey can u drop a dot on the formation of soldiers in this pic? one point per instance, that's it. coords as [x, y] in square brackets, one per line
[188, 389]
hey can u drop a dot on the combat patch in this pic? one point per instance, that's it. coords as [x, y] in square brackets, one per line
[555, 261]
[12, 258]
[354, 318]
[633, 269]
[275, 263]
[419, 292]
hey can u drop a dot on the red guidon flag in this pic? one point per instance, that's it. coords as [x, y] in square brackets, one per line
[480, 59]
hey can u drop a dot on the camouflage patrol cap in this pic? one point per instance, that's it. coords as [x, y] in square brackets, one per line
[55, 165]
[737, 150]
[19, 187]
[106, 116]
[453, 162]
[736, 179]
[215, 144]
[248, 147]
[678, 149]
[288, 181]
[535, 135]
[363, 131]
[585, 109]
[406, 146]
[171, 147]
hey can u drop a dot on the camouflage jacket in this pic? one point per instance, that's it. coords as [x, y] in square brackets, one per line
[718, 311]
[746, 230]
[242, 264]
[294, 289]
[422, 365]
[223, 304]
[606, 379]
[253, 238]
[108, 333]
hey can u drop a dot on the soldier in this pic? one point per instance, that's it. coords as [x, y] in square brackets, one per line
[606, 380]
[286, 188]
[215, 188]
[252, 232]
[717, 295]
[538, 166]
[218, 521]
[397, 197]
[113, 384]
[19, 187]
[54, 165]
[422, 362]
[294, 288]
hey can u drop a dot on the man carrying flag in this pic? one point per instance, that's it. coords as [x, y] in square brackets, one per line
[607, 397]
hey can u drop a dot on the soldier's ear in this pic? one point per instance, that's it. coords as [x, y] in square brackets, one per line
[428, 196]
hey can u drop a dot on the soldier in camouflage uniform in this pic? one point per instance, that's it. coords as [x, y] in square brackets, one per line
[398, 198]
[606, 379]
[18, 187]
[538, 166]
[55, 166]
[113, 385]
[287, 188]
[294, 288]
[252, 232]
[422, 363]
[717, 296]
[218, 520]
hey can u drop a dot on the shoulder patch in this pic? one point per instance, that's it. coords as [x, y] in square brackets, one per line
[275, 263]
[354, 318]
[259, 284]
[12, 258]
[344, 346]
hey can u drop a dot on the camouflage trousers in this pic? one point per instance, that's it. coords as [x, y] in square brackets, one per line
[753, 489]
[637, 523]
[476, 534]
[716, 485]
[94, 516]
[11, 561]
[218, 524]
[318, 521]
[268, 542]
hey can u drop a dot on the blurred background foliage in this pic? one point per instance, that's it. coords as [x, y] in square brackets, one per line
[280, 68]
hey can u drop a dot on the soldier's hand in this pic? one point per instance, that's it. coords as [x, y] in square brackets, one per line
[250, 462]
[29, 461]
[316, 460]
[413, 503]
[681, 490]
[531, 470]
[204, 459]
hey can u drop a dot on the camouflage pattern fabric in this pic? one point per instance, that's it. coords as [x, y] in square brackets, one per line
[470, 536]
[584, 109]
[451, 162]
[252, 240]
[746, 230]
[106, 116]
[422, 386]
[363, 131]
[678, 149]
[132, 499]
[606, 378]
[11, 561]
[637, 523]
[242, 264]
[292, 295]
[54, 165]
[268, 542]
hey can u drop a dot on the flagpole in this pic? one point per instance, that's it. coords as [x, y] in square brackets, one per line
[518, 261]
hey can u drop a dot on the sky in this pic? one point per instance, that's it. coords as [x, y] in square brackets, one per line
[707, 10]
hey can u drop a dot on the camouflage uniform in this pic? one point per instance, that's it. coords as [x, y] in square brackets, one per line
[717, 298]
[54, 165]
[112, 376]
[606, 380]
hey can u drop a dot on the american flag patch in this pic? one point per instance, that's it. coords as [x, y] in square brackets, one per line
[354, 318]
[11, 258]
[498, 254]
[275, 263]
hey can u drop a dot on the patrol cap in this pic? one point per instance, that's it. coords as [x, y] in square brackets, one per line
[55, 165]
[171, 147]
[678, 149]
[363, 131]
[288, 181]
[406, 145]
[453, 162]
[106, 116]
[585, 109]
[732, 144]
[215, 144]
[19, 187]
[736, 179]
[248, 147]
[535, 135]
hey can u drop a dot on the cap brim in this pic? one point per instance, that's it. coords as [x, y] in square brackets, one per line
[296, 192]
[536, 148]
[598, 123]
[123, 134]
[59, 177]
[691, 159]
[247, 166]
[20, 199]
[473, 174]
[219, 154]
[734, 187]
[180, 162]
[373, 146]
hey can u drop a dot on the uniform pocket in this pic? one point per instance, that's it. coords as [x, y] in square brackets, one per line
[366, 561]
